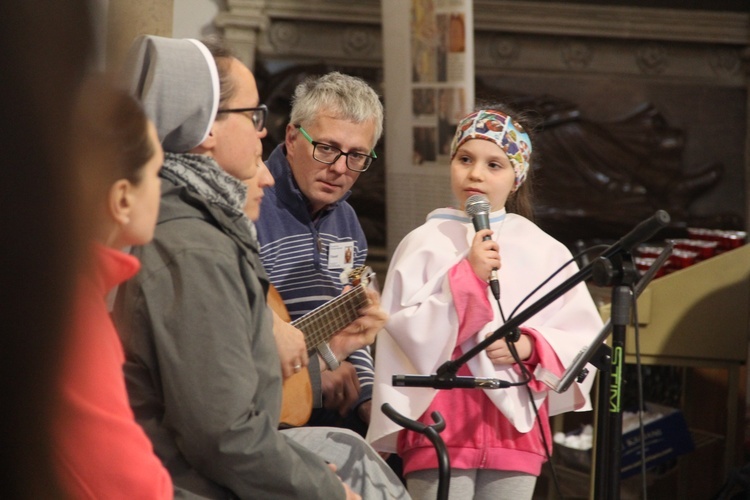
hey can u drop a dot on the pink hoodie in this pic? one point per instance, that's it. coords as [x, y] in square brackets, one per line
[477, 434]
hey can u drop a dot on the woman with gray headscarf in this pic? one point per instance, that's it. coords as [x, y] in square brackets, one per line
[203, 371]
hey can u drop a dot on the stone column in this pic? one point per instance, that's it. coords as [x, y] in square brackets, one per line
[128, 19]
[242, 22]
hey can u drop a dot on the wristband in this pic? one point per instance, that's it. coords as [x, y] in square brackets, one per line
[327, 354]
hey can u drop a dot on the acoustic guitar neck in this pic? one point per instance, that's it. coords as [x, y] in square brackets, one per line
[321, 323]
[317, 326]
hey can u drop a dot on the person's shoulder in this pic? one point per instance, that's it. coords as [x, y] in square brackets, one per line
[345, 210]
[447, 213]
[447, 219]
[517, 221]
[277, 158]
[440, 223]
[276, 220]
[269, 204]
[343, 220]
[186, 238]
[178, 202]
[519, 224]
[186, 218]
[191, 232]
[277, 166]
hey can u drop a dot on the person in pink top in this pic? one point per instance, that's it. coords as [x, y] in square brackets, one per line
[440, 306]
[99, 449]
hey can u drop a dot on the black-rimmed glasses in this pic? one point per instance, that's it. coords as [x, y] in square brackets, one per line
[325, 153]
[257, 115]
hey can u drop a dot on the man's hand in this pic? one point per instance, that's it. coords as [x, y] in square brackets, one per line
[362, 332]
[340, 388]
[364, 411]
[290, 342]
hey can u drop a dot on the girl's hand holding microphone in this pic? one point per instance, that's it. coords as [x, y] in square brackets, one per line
[484, 256]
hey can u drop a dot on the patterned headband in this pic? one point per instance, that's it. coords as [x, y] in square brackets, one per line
[499, 128]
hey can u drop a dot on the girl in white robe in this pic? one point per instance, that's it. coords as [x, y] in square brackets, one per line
[440, 306]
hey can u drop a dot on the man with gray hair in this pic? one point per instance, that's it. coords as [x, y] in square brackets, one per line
[310, 235]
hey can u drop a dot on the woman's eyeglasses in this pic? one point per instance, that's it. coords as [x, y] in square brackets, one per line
[257, 115]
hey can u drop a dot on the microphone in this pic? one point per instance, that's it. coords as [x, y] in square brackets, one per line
[478, 208]
[639, 233]
[437, 382]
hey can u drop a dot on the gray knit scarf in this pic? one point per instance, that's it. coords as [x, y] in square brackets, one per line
[203, 176]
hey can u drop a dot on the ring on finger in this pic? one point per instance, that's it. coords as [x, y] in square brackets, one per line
[297, 367]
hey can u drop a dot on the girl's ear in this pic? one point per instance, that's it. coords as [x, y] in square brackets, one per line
[120, 202]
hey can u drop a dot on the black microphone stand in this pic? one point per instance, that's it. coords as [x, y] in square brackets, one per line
[607, 452]
[621, 275]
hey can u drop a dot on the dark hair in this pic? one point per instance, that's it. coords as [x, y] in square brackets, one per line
[47, 47]
[223, 56]
[113, 128]
[521, 201]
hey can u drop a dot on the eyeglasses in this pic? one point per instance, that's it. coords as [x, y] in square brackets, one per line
[257, 115]
[325, 153]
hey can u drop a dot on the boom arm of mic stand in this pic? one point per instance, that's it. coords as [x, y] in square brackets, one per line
[450, 368]
[585, 355]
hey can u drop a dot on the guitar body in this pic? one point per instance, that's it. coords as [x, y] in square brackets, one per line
[296, 397]
[318, 326]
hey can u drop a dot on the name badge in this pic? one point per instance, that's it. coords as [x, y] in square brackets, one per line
[341, 255]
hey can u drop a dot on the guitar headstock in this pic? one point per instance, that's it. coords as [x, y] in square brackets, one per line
[362, 275]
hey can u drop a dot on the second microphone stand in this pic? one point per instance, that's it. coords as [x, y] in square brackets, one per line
[619, 273]
[607, 454]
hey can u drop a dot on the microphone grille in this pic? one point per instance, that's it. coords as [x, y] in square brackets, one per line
[477, 204]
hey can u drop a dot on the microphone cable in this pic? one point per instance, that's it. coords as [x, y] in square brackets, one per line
[558, 271]
[511, 339]
[514, 353]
